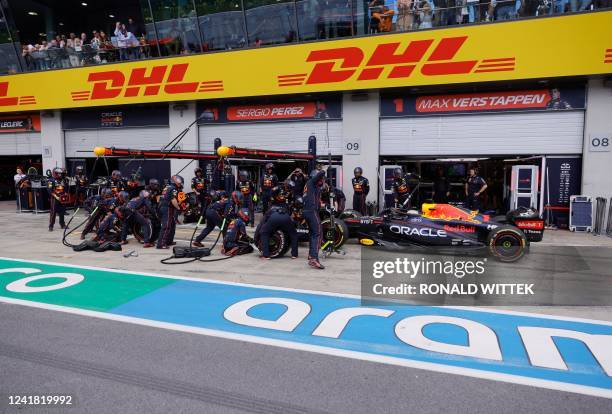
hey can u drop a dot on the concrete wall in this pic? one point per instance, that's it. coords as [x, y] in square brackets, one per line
[596, 176]
[360, 124]
[52, 140]
[179, 120]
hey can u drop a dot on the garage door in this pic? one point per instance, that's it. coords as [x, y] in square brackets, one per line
[87, 139]
[23, 143]
[485, 134]
[282, 136]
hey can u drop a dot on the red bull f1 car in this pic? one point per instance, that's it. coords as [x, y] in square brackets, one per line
[446, 228]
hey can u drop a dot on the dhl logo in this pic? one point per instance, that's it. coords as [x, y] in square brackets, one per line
[14, 100]
[148, 82]
[608, 56]
[341, 64]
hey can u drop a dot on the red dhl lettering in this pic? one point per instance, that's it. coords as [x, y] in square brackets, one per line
[6, 100]
[143, 82]
[392, 61]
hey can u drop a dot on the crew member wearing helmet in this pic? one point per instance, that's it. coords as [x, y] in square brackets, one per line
[235, 240]
[401, 188]
[298, 178]
[98, 212]
[247, 188]
[117, 183]
[81, 185]
[361, 188]
[288, 188]
[112, 212]
[58, 192]
[339, 199]
[312, 204]
[154, 190]
[168, 211]
[199, 186]
[269, 180]
[216, 214]
[131, 213]
[278, 217]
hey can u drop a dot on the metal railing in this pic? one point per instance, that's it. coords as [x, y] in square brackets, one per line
[335, 22]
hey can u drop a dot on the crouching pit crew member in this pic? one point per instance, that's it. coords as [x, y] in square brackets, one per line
[361, 188]
[200, 188]
[278, 217]
[131, 214]
[312, 204]
[111, 213]
[236, 241]
[339, 198]
[268, 182]
[58, 191]
[98, 213]
[168, 211]
[247, 188]
[215, 214]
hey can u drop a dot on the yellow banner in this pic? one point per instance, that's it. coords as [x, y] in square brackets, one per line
[528, 49]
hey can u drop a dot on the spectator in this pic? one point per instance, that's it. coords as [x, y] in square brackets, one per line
[78, 52]
[96, 42]
[376, 7]
[125, 41]
[473, 9]
[579, 5]
[405, 15]
[134, 28]
[506, 10]
[83, 39]
[425, 15]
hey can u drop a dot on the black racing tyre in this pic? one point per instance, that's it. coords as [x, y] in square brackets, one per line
[279, 243]
[139, 234]
[340, 235]
[507, 244]
[349, 214]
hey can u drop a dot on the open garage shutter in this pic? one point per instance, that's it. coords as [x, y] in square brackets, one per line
[22, 143]
[485, 134]
[280, 136]
[140, 138]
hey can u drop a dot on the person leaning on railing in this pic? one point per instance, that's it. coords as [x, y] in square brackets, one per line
[405, 15]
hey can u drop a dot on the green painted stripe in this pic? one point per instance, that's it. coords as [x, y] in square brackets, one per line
[101, 290]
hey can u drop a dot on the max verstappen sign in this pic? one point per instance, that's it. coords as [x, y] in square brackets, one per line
[554, 99]
[479, 53]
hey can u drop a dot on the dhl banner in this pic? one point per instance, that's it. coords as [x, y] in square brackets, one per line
[528, 49]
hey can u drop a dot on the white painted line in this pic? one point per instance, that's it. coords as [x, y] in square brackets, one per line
[314, 292]
[429, 366]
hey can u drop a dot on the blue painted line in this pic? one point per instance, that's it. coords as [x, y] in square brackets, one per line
[202, 304]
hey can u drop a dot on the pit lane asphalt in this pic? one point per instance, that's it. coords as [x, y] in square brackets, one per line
[116, 367]
[113, 367]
